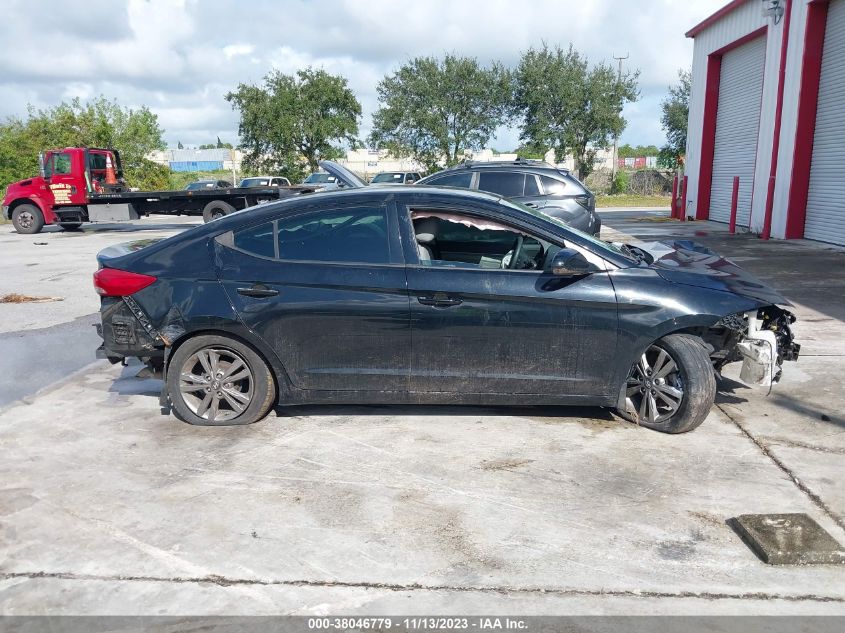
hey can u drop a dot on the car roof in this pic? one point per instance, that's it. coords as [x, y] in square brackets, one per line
[518, 165]
[394, 189]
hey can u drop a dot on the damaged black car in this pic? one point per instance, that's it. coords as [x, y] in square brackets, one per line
[432, 295]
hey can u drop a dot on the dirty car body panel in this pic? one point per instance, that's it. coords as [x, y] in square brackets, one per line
[332, 292]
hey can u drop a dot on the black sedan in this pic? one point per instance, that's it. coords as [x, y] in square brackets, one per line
[430, 295]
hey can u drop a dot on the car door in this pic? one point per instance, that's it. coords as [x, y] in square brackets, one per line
[519, 186]
[485, 330]
[326, 290]
[65, 172]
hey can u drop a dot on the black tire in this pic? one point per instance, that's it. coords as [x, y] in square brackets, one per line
[187, 406]
[27, 219]
[216, 209]
[693, 377]
[70, 226]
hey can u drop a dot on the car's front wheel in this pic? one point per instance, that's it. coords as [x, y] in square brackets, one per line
[27, 219]
[671, 388]
[217, 380]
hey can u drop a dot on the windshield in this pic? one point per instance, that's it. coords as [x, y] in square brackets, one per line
[600, 244]
[391, 177]
[320, 177]
[255, 182]
[202, 184]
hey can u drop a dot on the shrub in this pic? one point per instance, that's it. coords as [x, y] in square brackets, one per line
[620, 183]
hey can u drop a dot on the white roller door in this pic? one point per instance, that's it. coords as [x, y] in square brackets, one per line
[737, 125]
[826, 197]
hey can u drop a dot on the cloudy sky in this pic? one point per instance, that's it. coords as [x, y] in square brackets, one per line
[179, 57]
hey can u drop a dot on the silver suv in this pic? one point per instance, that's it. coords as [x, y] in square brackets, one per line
[537, 184]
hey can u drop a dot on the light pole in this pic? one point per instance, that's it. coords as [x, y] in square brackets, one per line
[616, 136]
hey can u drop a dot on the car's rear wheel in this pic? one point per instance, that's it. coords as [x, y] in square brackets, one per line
[216, 380]
[70, 226]
[27, 219]
[671, 388]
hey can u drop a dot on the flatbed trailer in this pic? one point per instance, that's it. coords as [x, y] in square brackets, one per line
[210, 203]
[80, 184]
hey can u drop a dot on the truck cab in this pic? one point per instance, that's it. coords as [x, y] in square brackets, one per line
[60, 193]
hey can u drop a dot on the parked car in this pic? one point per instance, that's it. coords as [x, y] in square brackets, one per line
[265, 181]
[396, 178]
[324, 180]
[536, 184]
[207, 184]
[401, 294]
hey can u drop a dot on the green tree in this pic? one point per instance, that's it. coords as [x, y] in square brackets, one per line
[436, 109]
[674, 121]
[569, 106]
[531, 152]
[628, 151]
[218, 145]
[98, 123]
[294, 119]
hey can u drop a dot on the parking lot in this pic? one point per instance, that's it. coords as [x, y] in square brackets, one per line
[107, 506]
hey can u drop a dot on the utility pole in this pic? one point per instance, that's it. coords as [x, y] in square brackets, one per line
[616, 137]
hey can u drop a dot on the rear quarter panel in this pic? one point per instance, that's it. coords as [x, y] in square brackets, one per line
[188, 298]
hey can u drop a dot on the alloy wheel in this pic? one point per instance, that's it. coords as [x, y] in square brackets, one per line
[655, 386]
[216, 384]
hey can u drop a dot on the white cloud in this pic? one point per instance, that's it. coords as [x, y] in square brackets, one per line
[235, 50]
[180, 57]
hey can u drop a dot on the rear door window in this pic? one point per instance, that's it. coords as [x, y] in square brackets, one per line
[257, 240]
[463, 180]
[531, 186]
[348, 235]
[507, 184]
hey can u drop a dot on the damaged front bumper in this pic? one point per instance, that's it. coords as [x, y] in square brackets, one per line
[766, 344]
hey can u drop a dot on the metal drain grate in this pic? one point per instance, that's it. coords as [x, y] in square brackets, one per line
[788, 539]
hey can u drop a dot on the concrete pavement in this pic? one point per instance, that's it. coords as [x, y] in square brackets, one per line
[108, 507]
[57, 264]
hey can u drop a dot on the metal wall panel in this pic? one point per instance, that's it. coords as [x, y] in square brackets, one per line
[737, 127]
[826, 200]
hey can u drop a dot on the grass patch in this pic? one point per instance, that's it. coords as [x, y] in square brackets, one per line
[631, 200]
[17, 298]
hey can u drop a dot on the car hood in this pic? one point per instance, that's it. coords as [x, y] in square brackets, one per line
[340, 172]
[125, 248]
[692, 264]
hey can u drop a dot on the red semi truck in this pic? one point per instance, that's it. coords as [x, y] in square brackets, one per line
[80, 184]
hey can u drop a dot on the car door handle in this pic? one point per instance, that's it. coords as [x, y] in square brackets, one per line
[258, 291]
[439, 300]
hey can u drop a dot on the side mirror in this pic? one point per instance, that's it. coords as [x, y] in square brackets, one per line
[41, 171]
[569, 263]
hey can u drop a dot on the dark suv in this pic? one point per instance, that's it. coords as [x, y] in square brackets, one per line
[536, 184]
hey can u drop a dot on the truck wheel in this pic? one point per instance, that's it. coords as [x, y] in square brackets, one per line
[216, 380]
[672, 387]
[70, 226]
[27, 219]
[216, 209]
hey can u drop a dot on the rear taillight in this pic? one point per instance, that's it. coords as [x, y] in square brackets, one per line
[110, 282]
